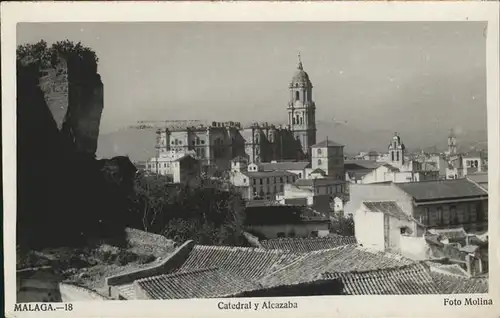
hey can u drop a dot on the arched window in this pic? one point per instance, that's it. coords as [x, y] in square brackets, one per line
[392, 155]
[319, 161]
[319, 151]
[301, 120]
[297, 95]
[397, 156]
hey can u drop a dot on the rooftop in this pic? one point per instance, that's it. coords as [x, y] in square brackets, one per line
[198, 283]
[480, 178]
[455, 284]
[268, 174]
[286, 165]
[247, 263]
[304, 245]
[318, 182]
[442, 189]
[361, 164]
[346, 258]
[327, 143]
[387, 207]
[411, 279]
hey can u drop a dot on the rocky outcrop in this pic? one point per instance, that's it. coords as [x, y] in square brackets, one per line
[74, 96]
[65, 195]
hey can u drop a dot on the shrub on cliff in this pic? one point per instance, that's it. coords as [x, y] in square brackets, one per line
[43, 56]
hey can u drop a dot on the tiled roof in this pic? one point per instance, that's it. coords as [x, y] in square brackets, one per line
[361, 164]
[268, 174]
[287, 165]
[406, 280]
[327, 143]
[320, 171]
[202, 283]
[480, 178]
[442, 189]
[126, 291]
[391, 168]
[341, 259]
[387, 207]
[454, 284]
[358, 174]
[303, 245]
[453, 269]
[451, 234]
[245, 262]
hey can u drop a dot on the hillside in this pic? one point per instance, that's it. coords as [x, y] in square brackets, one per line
[139, 144]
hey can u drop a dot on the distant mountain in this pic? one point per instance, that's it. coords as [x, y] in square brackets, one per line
[139, 144]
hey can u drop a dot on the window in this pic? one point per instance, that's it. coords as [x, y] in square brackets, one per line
[392, 155]
[203, 142]
[275, 190]
[267, 180]
[254, 181]
[397, 156]
[281, 179]
[282, 188]
[244, 180]
[453, 215]
[261, 181]
[472, 213]
[439, 215]
[319, 162]
[254, 189]
[319, 151]
[300, 174]
[446, 216]
[314, 233]
[297, 95]
[424, 216]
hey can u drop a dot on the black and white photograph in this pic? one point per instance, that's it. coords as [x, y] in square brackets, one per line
[252, 162]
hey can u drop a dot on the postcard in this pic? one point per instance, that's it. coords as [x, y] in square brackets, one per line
[198, 159]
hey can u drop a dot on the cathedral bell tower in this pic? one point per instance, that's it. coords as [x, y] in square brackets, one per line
[302, 110]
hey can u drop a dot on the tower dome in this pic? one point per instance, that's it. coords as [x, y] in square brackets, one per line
[300, 78]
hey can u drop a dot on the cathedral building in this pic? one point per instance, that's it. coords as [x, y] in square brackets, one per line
[215, 145]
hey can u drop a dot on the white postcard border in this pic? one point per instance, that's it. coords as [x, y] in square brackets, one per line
[407, 306]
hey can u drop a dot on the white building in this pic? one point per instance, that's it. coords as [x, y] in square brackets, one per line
[181, 167]
[254, 183]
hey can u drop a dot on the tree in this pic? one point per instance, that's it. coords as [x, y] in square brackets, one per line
[210, 213]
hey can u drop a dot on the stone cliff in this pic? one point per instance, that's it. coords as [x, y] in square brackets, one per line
[65, 195]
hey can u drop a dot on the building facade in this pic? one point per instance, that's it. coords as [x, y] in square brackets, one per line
[256, 184]
[302, 110]
[217, 143]
[434, 204]
[329, 157]
[181, 167]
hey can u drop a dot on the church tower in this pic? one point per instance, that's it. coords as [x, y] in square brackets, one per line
[302, 110]
[397, 151]
[452, 144]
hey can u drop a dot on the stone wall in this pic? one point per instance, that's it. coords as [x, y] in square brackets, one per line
[173, 261]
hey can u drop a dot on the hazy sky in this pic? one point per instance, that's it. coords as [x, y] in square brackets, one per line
[404, 76]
